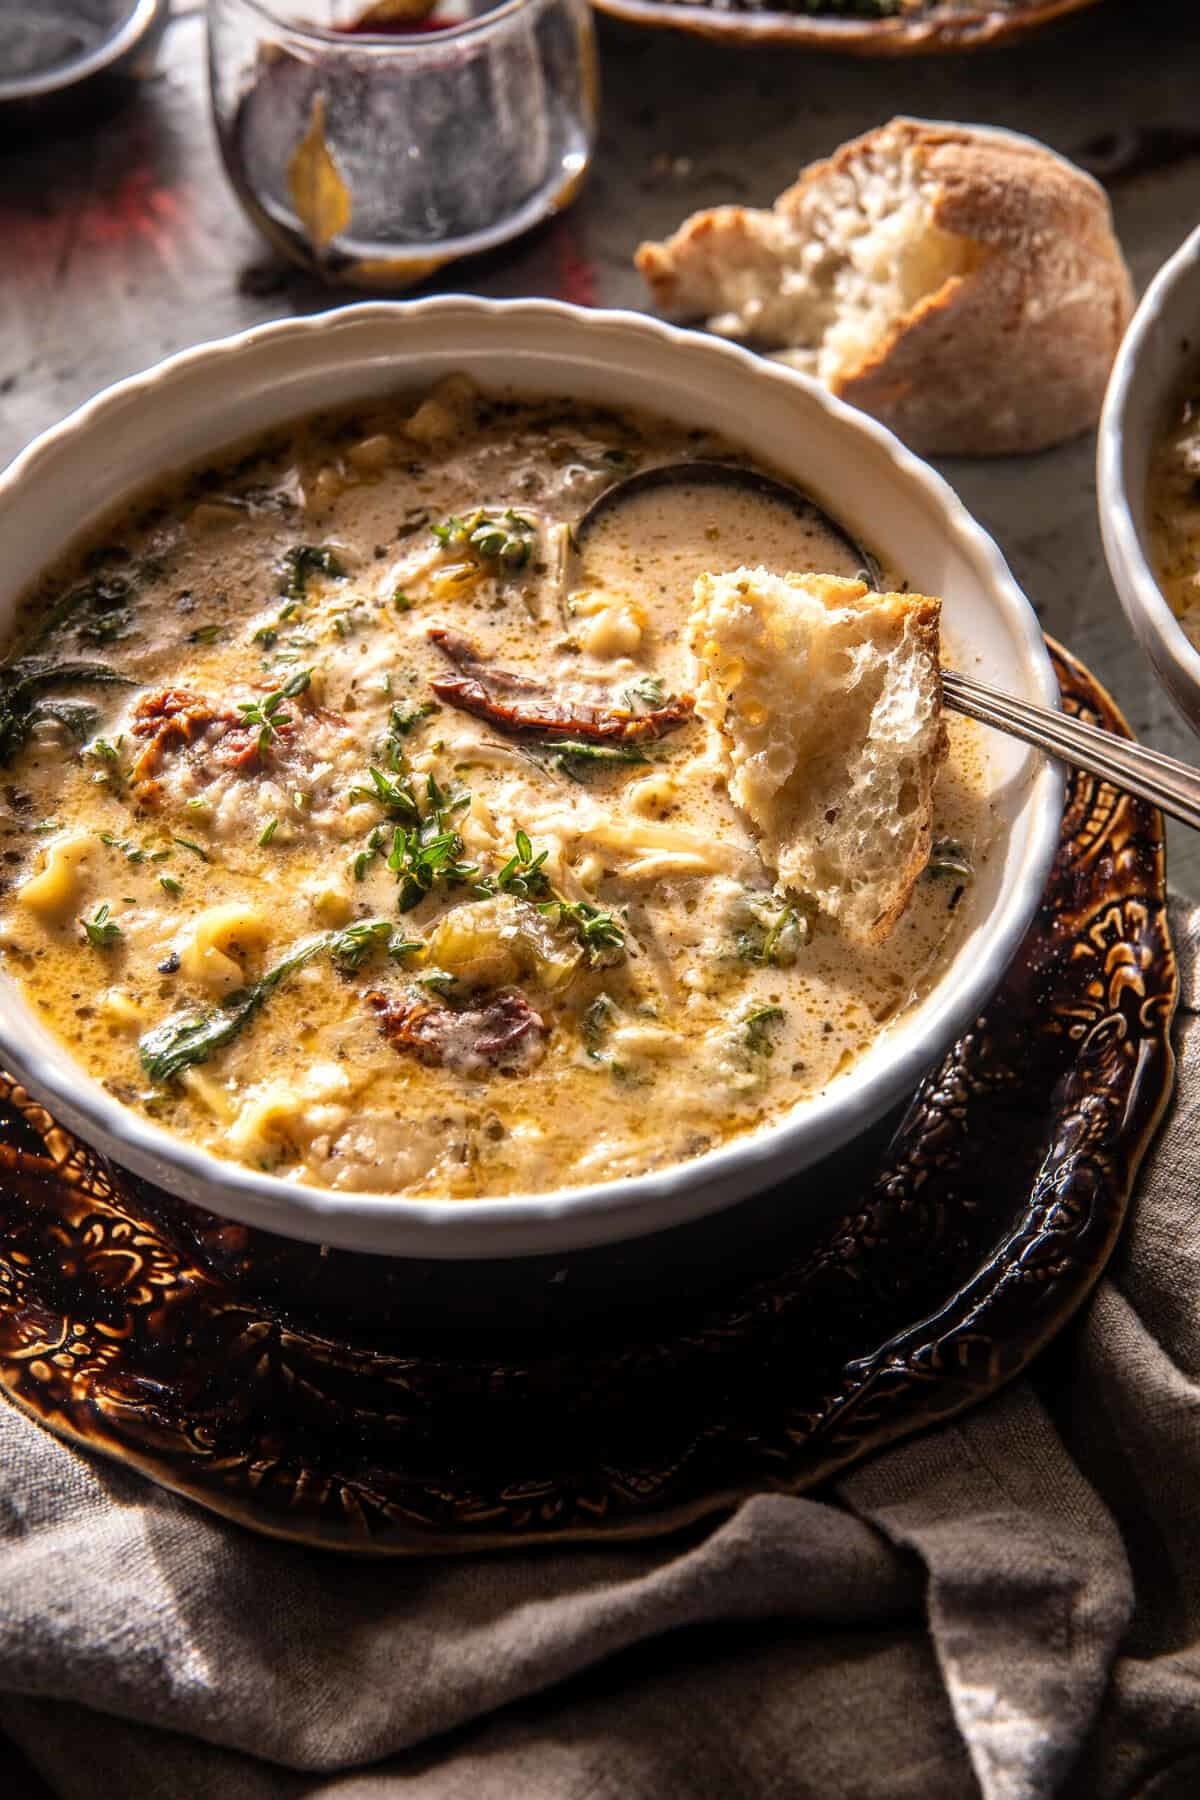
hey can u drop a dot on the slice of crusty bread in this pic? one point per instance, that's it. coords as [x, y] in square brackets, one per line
[826, 705]
[960, 283]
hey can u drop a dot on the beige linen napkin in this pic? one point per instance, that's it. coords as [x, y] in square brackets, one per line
[1008, 1606]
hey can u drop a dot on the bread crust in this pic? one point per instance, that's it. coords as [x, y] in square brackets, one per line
[925, 616]
[1011, 355]
[913, 620]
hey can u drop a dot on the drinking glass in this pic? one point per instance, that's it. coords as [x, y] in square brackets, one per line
[373, 143]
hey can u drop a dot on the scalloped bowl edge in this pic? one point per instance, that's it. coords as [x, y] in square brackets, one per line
[207, 397]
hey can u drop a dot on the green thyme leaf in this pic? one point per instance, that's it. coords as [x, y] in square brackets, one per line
[196, 849]
[268, 714]
[644, 694]
[758, 1026]
[102, 930]
[307, 560]
[352, 947]
[504, 540]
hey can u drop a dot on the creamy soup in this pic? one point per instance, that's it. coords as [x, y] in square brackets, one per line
[1173, 507]
[356, 823]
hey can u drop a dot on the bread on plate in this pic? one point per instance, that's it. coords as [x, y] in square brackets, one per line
[962, 284]
[825, 705]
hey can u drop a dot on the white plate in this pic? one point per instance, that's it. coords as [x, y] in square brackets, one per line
[197, 402]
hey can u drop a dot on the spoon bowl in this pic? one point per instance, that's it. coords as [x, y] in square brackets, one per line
[731, 476]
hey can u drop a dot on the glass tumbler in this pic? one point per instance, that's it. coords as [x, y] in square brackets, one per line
[373, 143]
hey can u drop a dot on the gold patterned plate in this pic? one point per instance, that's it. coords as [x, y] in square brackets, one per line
[918, 27]
[374, 1405]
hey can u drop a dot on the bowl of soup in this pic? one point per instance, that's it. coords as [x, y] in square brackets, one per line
[367, 874]
[1148, 476]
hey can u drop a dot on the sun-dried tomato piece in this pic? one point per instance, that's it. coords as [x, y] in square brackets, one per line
[514, 704]
[171, 720]
[504, 1033]
[176, 719]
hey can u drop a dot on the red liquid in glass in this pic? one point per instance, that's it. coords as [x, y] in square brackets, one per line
[399, 27]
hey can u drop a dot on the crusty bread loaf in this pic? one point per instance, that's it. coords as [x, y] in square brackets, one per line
[962, 284]
[826, 705]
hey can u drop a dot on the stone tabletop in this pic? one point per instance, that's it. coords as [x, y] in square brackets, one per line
[121, 242]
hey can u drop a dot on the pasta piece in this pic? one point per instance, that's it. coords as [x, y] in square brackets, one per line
[54, 893]
[222, 939]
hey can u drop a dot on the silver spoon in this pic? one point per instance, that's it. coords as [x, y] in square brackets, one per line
[1163, 780]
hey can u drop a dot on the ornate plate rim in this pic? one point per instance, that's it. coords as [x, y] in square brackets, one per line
[939, 1338]
[984, 27]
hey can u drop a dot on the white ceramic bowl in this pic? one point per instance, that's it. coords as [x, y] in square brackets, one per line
[1161, 346]
[197, 402]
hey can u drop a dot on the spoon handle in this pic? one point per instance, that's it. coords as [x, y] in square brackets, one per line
[1163, 780]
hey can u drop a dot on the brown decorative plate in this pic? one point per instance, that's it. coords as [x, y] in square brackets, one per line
[375, 1405]
[917, 27]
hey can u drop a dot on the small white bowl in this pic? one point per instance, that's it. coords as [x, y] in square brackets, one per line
[1161, 346]
[195, 403]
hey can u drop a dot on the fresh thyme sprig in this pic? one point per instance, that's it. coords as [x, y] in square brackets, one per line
[523, 873]
[102, 930]
[504, 539]
[351, 948]
[305, 560]
[428, 854]
[268, 714]
[758, 1026]
[645, 693]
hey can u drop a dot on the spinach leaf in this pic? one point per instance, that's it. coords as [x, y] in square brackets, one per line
[23, 703]
[193, 1037]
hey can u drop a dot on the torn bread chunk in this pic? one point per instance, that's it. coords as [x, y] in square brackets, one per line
[825, 705]
[962, 284]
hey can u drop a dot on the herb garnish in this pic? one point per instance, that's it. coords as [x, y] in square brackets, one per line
[268, 714]
[351, 948]
[646, 692]
[427, 854]
[267, 833]
[425, 850]
[394, 796]
[134, 853]
[196, 849]
[758, 1026]
[306, 560]
[523, 873]
[204, 634]
[102, 930]
[367, 855]
[600, 933]
[170, 885]
[403, 719]
[505, 539]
